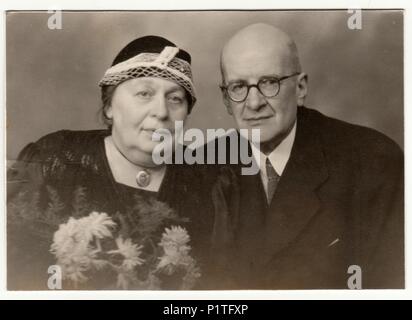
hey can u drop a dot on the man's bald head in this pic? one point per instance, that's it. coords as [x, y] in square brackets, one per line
[251, 61]
[262, 41]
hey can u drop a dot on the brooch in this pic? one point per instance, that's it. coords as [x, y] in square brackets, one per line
[143, 178]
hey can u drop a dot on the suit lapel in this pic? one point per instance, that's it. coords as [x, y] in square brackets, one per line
[295, 201]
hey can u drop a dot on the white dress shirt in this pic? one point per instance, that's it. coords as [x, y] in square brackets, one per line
[278, 157]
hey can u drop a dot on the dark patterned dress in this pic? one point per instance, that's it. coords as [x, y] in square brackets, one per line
[66, 174]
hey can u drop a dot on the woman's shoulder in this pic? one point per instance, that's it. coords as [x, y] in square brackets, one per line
[58, 155]
[69, 138]
[63, 142]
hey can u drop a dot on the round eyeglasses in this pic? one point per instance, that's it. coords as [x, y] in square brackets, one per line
[269, 87]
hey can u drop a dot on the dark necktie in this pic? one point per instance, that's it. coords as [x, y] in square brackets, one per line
[273, 179]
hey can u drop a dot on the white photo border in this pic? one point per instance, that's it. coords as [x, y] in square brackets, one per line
[213, 5]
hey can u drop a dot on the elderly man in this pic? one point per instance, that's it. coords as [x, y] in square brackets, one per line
[326, 208]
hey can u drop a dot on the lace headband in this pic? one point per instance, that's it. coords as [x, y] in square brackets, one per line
[164, 65]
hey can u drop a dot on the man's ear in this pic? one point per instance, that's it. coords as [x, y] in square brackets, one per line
[226, 101]
[301, 88]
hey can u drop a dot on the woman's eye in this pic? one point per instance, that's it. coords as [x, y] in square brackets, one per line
[176, 99]
[144, 94]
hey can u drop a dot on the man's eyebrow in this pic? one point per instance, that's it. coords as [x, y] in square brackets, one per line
[236, 80]
[271, 75]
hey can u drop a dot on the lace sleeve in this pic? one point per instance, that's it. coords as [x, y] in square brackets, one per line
[26, 172]
[42, 160]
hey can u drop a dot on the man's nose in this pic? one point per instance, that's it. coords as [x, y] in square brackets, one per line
[159, 108]
[255, 99]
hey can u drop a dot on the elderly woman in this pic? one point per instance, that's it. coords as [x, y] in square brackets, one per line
[156, 213]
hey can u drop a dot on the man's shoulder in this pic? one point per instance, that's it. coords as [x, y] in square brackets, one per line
[347, 137]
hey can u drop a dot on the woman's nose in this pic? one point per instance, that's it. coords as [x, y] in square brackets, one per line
[159, 108]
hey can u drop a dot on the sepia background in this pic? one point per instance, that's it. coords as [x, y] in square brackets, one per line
[52, 75]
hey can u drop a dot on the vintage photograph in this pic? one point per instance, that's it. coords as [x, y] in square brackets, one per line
[205, 150]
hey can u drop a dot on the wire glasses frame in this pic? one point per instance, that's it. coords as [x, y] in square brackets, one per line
[269, 87]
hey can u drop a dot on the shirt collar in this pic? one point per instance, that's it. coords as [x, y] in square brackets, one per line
[279, 156]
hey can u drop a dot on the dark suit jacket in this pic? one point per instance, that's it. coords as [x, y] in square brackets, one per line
[338, 203]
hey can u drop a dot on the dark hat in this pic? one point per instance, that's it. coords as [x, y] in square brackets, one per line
[153, 44]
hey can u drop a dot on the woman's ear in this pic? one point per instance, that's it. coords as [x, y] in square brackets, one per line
[108, 112]
[301, 89]
[108, 115]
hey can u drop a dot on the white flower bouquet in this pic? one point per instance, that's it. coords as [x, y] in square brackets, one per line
[143, 248]
[77, 246]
